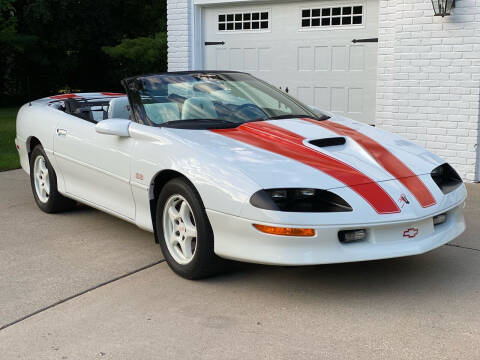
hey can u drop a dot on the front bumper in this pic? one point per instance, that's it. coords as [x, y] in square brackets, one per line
[237, 239]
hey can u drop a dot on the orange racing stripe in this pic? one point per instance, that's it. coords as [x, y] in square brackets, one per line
[286, 143]
[385, 158]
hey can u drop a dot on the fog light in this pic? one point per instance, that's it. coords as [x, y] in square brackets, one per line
[348, 236]
[275, 230]
[439, 219]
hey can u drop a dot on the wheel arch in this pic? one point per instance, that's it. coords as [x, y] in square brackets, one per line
[159, 180]
[32, 141]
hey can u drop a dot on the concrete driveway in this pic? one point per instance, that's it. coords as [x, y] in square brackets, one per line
[84, 285]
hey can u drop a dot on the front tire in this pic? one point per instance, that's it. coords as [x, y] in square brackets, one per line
[43, 180]
[184, 232]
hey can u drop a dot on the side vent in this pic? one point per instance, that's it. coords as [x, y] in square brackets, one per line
[333, 141]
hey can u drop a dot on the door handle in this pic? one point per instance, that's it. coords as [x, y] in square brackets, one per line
[209, 43]
[364, 40]
[61, 132]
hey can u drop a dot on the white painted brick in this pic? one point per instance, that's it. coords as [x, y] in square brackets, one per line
[178, 35]
[471, 40]
[463, 47]
[436, 106]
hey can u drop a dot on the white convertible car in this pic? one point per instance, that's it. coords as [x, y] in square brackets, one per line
[221, 165]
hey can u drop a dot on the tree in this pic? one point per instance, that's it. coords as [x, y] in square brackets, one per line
[8, 21]
[47, 45]
[12, 45]
[140, 55]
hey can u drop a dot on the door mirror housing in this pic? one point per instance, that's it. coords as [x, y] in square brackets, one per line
[118, 127]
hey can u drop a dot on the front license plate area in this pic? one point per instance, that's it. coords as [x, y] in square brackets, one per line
[402, 232]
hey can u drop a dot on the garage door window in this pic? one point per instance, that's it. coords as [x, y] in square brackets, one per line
[245, 21]
[332, 16]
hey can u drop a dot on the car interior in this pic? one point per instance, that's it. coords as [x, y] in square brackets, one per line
[202, 100]
[92, 110]
[177, 101]
[159, 109]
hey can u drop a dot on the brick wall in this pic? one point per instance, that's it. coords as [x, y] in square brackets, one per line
[428, 78]
[178, 16]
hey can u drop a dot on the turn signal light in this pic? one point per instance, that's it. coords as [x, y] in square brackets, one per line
[285, 231]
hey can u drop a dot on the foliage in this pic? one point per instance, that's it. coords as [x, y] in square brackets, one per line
[12, 45]
[8, 153]
[140, 55]
[8, 21]
[48, 45]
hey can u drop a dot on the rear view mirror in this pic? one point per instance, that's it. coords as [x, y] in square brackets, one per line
[118, 127]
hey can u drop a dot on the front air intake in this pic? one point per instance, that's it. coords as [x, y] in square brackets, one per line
[333, 141]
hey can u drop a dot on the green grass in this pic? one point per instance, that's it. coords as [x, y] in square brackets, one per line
[8, 153]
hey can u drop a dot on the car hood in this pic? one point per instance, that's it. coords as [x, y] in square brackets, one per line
[375, 171]
[256, 150]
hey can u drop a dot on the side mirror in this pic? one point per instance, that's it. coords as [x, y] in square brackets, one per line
[118, 127]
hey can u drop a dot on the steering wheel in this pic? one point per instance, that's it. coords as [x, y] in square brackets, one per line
[247, 112]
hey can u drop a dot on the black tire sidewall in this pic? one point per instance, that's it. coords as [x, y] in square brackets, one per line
[54, 197]
[204, 261]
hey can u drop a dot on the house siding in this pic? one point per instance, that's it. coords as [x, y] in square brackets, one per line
[428, 78]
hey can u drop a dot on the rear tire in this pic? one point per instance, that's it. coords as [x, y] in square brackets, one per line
[184, 231]
[43, 180]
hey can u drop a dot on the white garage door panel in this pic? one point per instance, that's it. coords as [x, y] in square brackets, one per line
[319, 65]
[241, 59]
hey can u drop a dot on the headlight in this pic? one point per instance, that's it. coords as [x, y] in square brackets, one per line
[299, 200]
[446, 178]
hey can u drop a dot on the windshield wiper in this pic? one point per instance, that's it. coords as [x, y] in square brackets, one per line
[291, 116]
[200, 124]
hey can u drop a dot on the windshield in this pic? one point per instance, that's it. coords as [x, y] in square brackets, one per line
[209, 100]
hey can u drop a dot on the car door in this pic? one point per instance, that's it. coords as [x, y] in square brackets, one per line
[95, 167]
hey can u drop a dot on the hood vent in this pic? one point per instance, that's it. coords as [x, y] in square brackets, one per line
[333, 141]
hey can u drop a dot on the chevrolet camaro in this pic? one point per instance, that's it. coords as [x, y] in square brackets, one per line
[222, 165]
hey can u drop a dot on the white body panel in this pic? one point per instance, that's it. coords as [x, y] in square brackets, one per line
[319, 65]
[116, 174]
[95, 167]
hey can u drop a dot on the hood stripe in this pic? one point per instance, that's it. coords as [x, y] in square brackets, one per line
[286, 143]
[386, 159]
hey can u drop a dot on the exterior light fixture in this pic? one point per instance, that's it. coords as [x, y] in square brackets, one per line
[442, 7]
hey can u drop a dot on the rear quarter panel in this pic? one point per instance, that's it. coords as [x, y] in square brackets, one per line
[38, 120]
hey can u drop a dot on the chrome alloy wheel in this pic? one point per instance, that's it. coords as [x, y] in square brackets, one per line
[179, 229]
[41, 179]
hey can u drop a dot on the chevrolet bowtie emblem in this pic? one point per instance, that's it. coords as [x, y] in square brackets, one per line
[410, 233]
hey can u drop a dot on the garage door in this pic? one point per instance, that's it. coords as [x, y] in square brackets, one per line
[303, 47]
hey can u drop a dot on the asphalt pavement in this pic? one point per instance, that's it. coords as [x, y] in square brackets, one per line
[85, 285]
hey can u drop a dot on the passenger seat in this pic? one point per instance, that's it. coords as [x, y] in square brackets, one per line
[198, 108]
[162, 112]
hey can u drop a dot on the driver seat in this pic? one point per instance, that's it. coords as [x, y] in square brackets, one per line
[198, 108]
